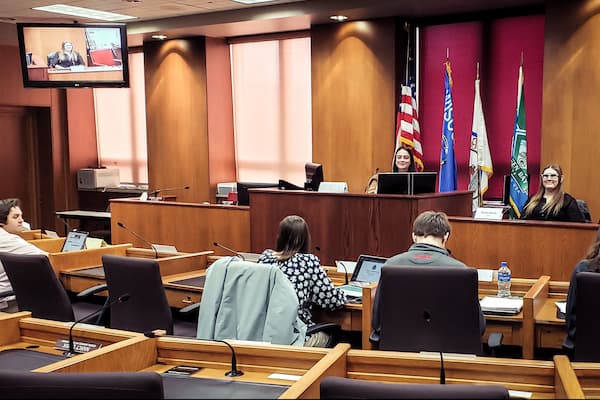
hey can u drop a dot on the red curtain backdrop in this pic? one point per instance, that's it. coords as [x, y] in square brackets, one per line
[497, 46]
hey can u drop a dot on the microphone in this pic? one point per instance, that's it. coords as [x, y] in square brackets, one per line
[121, 225]
[121, 299]
[345, 271]
[217, 244]
[234, 371]
[442, 370]
[157, 191]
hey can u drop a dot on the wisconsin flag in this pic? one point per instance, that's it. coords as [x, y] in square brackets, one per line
[480, 160]
[447, 160]
[408, 132]
[519, 180]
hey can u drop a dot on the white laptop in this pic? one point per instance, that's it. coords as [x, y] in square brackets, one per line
[367, 270]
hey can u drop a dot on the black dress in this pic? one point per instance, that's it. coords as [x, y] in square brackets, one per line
[569, 212]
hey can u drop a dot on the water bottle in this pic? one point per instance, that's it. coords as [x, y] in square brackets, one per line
[503, 280]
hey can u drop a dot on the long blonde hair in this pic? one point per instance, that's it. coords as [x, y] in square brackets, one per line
[553, 206]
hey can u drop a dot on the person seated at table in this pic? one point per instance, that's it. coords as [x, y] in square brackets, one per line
[303, 269]
[431, 230]
[66, 57]
[403, 161]
[590, 263]
[550, 203]
[11, 223]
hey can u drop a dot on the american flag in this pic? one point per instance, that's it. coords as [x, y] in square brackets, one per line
[408, 132]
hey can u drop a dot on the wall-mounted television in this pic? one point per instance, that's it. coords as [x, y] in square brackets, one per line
[73, 55]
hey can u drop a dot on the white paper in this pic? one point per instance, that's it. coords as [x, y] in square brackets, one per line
[562, 306]
[519, 394]
[286, 377]
[51, 234]
[485, 275]
[499, 304]
[490, 213]
[350, 265]
[164, 248]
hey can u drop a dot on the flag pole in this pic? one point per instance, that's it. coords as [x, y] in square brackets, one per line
[479, 195]
[407, 29]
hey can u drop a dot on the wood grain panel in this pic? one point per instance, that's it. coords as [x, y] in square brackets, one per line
[188, 226]
[346, 225]
[531, 248]
[570, 102]
[176, 116]
[353, 99]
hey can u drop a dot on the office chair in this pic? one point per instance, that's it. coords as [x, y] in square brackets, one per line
[147, 308]
[586, 344]
[249, 301]
[38, 289]
[80, 385]
[52, 59]
[585, 211]
[429, 309]
[334, 387]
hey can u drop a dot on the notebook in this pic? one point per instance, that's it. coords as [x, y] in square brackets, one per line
[367, 270]
[75, 241]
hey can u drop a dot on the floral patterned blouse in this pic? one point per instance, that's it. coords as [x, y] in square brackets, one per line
[310, 282]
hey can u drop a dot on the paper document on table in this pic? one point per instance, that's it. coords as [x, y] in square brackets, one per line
[485, 275]
[501, 305]
[562, 306]
[350, 265]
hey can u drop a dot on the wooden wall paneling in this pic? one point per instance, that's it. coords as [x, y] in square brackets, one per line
[221, 163]
[176, 117]
[531, 248]
[353, 99]
[570, 103]
[190, 227]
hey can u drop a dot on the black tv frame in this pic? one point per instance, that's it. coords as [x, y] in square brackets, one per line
[243, 197]
[29, 83]
[406, 182]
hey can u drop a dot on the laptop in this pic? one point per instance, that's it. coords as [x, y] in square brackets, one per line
[75, 241]
[367, 271]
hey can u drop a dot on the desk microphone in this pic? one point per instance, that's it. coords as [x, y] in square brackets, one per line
[442, 370]
[157, 191]
[345, 271]
[217, 244]
[234, 371]
[121, 299]
[121, 225]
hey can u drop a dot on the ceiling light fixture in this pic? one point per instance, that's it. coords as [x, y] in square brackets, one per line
[84, 12]
[159, 37]
[338, 18]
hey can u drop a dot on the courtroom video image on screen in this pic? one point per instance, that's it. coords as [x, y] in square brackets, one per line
[54, 55]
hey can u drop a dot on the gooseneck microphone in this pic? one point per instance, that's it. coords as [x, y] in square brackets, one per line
[122, 225]
[234, 371]
[157, 191]
[345, 271]
[442, 370]
[217, 244]
[121, 299]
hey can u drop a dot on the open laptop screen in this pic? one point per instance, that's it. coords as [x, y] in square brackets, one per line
[368, 269]
[75, 241]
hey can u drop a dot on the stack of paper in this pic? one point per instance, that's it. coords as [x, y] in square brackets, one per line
[501, 305]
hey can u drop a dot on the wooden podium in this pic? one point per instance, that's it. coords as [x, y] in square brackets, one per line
[346, 225]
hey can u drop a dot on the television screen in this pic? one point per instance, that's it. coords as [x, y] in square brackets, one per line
[406, 182]
[314, 176]
[73, 55]
[242, 190]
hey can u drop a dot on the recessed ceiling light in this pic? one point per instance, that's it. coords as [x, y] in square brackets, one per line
[251, 1]
[338, 18]
[159, 37]
[84, 12]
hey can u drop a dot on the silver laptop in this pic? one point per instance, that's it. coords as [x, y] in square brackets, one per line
[367, 271]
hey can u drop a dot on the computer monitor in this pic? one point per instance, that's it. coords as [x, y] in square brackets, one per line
[406, 182]
[314, 176]
[243, 197]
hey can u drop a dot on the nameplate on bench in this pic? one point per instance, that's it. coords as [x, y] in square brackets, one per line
[79, 347]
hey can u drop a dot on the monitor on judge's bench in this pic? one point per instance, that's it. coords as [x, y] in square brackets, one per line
[406, 182]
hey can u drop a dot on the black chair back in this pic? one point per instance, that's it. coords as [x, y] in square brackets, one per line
[147, 308]
[587, 344]
[429, 309]
[36, 286]
[344, 388]
[91, 385]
